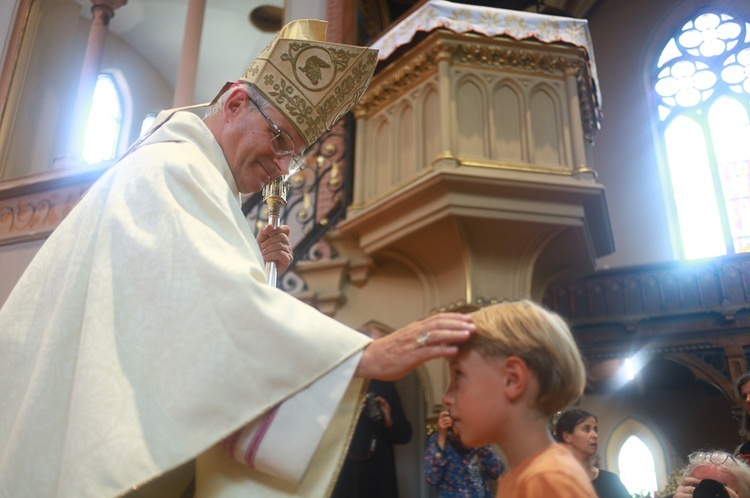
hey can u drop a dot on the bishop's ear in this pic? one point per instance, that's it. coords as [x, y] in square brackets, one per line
[235, 100]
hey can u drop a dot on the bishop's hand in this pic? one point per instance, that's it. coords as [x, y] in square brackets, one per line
[275, 246]
[396, 354]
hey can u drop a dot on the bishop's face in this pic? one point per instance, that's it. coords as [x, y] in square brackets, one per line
[247, 144]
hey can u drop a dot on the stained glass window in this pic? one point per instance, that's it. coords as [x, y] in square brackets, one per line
[702, 85]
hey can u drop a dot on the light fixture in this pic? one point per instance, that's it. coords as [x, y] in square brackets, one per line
[630, 368]
[267, 18]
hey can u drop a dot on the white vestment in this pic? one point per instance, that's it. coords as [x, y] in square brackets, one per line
[143, 333]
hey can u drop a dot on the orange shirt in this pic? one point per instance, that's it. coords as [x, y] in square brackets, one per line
[553, 473]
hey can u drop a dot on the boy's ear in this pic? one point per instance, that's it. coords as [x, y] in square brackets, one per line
[516, 377]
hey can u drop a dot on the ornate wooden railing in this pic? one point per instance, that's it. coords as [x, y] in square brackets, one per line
[317, 200]
[696, 314]
[634, 295]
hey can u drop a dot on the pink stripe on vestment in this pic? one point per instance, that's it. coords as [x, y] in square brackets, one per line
[257, 439]
[229, 443]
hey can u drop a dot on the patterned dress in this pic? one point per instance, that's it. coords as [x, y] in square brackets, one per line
[461, 472]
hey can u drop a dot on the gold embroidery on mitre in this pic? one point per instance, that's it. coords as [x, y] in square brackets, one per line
[309, 81]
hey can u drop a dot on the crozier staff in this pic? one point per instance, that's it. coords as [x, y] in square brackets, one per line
[143, 334]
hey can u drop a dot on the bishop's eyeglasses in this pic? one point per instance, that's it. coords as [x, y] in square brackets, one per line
[281, 143]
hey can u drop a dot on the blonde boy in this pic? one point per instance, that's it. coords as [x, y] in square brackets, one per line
[520, 367]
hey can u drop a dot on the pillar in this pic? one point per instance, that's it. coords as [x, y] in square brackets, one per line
[184, 88]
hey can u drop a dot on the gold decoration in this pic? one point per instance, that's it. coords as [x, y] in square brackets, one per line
[334, 178]
[421, 63]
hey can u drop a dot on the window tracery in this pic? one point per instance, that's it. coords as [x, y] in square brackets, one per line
[702, 85]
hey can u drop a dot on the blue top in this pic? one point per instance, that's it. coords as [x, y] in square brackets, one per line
[463, 473]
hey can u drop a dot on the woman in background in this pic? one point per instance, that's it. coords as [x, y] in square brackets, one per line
[579, 431]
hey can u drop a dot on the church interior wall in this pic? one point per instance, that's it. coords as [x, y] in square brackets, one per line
[7, 12]
[44, 87]
[14, 259]
[150, 93]
[397, 289]
[393, 289]
[49, 70]
[624, 153]
[50, 75]
[684, 420]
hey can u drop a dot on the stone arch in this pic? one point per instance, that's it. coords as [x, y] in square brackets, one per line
[631, 426]
[428, 105]
[706, 373]
[547, 139]
[508, 123]
[471, 117]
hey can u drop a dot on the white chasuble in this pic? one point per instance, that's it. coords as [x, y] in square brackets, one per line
[143, 333]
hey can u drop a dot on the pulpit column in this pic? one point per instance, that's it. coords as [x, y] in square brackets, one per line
[447, 111]
[576, 124]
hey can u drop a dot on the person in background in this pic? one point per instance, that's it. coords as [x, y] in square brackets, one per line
[369, 470]
[712, 474]
[743, 389]
[578, 430]
[520, 366]
[456, 470]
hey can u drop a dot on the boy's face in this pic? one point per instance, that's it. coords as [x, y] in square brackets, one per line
[474, 397]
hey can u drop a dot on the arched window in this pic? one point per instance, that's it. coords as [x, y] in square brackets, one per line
[637, 468]
[702, 84]
[104, 125]
[635, 454]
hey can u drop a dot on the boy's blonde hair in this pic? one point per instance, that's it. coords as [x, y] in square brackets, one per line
[540, 338]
